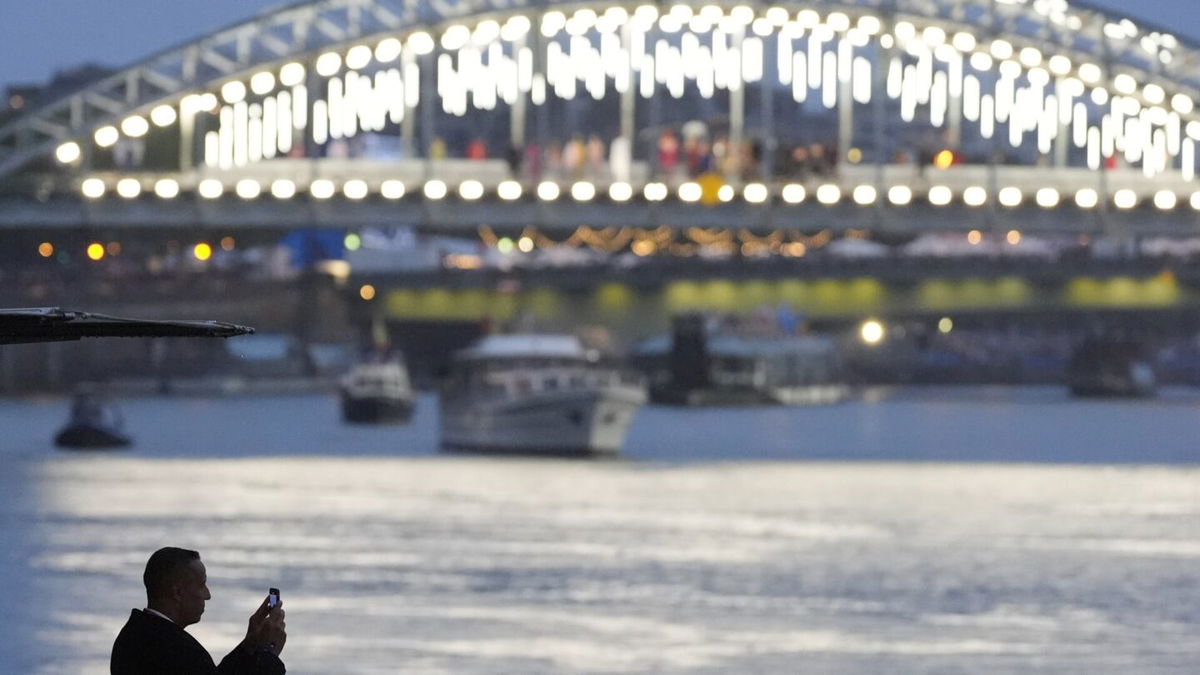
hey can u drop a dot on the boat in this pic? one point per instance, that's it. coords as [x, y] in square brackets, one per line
[94, 424]
[537, 394]
[699, 364]
[376, 393]
[1105, 365]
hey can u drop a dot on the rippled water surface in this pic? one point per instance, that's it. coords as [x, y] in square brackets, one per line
[944, 531]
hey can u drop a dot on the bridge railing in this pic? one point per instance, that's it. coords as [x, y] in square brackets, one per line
[494, 180]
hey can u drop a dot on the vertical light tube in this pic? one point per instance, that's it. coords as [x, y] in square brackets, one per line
[800, 81]
[1094, 148]
[395, 96]
[1066, 104]
[1080, 124]
[971, 92]
[254, 134]
[1174, 134]
[350, 104]
[862, 80]
[1005, 90]
[380, 103]
[610, 53]
[566, 85]
[752, 59]
[334, 104]
[1158, 162]
[829, 80]
[675, 78]
[1118, 122]
[537, 92]
[498, 82]
[269, 134]
[1108, 136]
[845, 60]
[955, 75]
[1187, 157]
[525, 69]
[320, 125]
[814, 61]
[412, 88]
[623, 79]
[646, 76]
[938, 99]
[241, 123]
[924, 77]
[1047, 127]
[283, 126]
[212, 149]
[1133, 141]
[705, 81]
[908, 94]
[987, 116]
[784, 58]
[733, 69]
[1017, 119]
[226, 140]
[720, 52]
[299, 107]
[895, 79]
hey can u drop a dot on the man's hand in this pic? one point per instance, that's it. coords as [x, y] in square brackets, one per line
[267, 629]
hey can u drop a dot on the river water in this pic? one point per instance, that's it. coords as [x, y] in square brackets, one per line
[913, 531]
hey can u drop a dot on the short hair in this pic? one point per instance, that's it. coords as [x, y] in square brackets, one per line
[164, 568]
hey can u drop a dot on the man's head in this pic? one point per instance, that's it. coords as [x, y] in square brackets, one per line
[176, 584]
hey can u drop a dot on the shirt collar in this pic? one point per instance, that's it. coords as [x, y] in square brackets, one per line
[157, 613]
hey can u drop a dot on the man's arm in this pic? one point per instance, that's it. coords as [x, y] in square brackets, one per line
[248, 661]
[258, 653]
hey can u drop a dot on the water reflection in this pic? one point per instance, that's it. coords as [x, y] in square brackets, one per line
[423, 563]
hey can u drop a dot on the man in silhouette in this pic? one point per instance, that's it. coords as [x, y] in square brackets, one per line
[154, 642]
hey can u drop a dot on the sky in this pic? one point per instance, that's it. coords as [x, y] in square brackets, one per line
[39, 37]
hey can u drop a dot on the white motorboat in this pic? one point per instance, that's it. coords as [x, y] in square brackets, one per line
[377, 392]
[538, 395]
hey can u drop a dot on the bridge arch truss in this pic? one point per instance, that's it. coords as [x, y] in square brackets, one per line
[1052, 104]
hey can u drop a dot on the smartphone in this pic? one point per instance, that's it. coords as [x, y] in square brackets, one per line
[272, 598]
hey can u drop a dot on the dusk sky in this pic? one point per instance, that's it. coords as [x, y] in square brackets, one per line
[40, 37]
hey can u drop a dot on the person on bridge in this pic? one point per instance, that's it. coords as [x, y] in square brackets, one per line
[154, 642]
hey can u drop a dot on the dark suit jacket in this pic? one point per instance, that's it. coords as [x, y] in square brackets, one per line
[152, 645]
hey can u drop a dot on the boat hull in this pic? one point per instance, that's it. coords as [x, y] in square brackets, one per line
[376, 410]
[90, 437]
[801, 395]
[585, 423]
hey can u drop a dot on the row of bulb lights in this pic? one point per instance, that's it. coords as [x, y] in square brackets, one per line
[982, 56]
[690, 192]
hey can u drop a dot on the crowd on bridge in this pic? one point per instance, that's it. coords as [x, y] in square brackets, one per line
[672, 156]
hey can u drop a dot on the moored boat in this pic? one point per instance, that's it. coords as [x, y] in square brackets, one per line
[698, 366]
[376, 393]
[94, 424]
[1110, 366]
[539, 395]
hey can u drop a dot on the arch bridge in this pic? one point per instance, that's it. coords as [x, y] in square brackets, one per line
[901, 115]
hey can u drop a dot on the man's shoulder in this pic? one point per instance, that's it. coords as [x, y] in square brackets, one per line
[151, 644]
